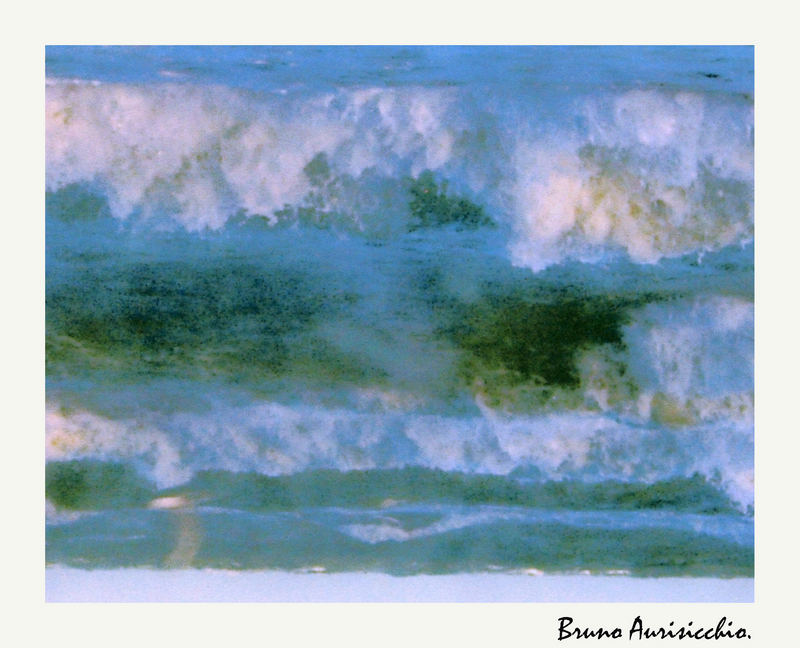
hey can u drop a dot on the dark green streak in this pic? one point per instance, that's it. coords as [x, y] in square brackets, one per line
[524, 340]
[95, 485]
[88, 485]
[238, 320]
[431, 206]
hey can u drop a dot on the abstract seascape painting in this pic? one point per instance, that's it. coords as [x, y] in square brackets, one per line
[399, 315]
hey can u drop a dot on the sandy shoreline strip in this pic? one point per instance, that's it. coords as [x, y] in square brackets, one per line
[65, 584]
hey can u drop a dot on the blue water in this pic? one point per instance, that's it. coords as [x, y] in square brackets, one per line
[727, 69]
[400, 309]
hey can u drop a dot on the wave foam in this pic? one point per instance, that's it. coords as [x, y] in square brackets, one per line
[651, 173]
[273, 439]
[654, 174]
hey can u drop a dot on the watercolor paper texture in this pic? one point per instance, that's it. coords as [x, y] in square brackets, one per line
[400, 310]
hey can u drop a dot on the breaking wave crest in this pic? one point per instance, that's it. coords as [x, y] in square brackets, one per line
[650, 173]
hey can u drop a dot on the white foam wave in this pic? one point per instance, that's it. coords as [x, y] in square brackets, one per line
[82, 434]
[684, 362]
[650, 173]
[655, 174]
[206, 153]
[275, 439]
[387, 529]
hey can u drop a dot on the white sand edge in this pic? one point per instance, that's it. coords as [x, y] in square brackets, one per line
[64, 584]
